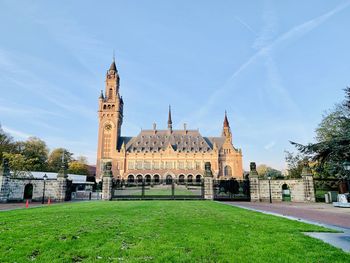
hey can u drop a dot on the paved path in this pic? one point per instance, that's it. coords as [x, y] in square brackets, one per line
[320, 214]
[13, 206]
[317, 212]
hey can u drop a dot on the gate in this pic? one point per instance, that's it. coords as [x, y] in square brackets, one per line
[323, 186]
[148, 189]
[231, 190]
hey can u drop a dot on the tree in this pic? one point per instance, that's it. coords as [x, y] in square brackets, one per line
[295, 163]
[332, 123]
[19, 164]
[273, 173]
[332, 147]
[6, 143]
[36, 149]
[55, 159]
[261, 169]
[76, 167]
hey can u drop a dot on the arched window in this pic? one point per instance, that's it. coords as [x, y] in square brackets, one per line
[156, 179]
[169, 179]
[190, 178]
[198, 178]
[110, 94]
[228, 171]
[148, 179]
[28, 191]
[286, 195]
[139, 178]
[181, 179]
[131, 178]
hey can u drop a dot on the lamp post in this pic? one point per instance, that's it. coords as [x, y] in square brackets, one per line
[346, 166]
[45, 178]
[270, 188]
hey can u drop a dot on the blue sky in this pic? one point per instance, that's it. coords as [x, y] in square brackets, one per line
[275, 66]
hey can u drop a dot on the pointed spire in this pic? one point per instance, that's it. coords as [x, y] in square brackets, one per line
[226, 123]
[113, 66]
[170, 123]
[101, 95]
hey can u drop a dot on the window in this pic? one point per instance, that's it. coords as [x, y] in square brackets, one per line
[181, 165]
[139, 165]
[147, 165]
[131, 178]
[131, 165]
[181, 179]
[110, 94]
[228, 171]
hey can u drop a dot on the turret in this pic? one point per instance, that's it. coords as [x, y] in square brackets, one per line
[226, 131]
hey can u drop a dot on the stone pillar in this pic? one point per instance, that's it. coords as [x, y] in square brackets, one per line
[107, 181]
[4, 181]
[62, 178]
[208, 182]
[309, 190]
[254, 183]
[61, 189]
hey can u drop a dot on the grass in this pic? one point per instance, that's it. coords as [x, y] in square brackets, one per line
[157, 231]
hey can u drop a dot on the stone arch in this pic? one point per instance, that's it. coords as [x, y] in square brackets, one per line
[28, 191]
[139, 178]
[190, 178]
[131, 178]
[181, 179]
[228, 171]
[148, 179]
[286, 193]
[156, 178]
[169, 179]
[198, 178]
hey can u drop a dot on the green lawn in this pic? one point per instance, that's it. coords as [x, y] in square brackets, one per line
[156, 231]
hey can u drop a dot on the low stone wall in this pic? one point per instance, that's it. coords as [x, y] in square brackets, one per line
[301, 190]
[16, 189]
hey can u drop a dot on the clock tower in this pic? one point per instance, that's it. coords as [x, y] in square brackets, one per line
[110, 115]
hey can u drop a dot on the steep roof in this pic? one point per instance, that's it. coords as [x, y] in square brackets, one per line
[151, 141]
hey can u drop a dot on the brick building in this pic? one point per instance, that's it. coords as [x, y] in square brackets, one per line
[159, 154]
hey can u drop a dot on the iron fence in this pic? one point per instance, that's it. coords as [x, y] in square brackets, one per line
[231, 190]
[158, 189]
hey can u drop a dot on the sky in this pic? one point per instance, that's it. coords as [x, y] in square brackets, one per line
[275, 66]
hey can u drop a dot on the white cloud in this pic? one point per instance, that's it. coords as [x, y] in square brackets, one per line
[16, 133]
[270, 145]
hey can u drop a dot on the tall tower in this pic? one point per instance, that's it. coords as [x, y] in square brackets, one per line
[110, 115]
[226, 131]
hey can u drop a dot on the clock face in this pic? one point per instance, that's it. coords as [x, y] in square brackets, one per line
[108, 127]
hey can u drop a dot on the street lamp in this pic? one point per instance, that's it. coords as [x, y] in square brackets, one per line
[270, 188]
[45, 178]
[346, 166]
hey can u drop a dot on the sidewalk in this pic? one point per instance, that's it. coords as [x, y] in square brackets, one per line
[13, 206]
[317, 212]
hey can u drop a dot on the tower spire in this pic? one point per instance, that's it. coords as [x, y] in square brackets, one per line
[113, 66]
[226, 123]
[226, 131]
[170, 123]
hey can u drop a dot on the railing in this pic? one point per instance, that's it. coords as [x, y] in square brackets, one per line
[231, 190]
[158, 189]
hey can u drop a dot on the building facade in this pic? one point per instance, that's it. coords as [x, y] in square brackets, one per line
[159, 154]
